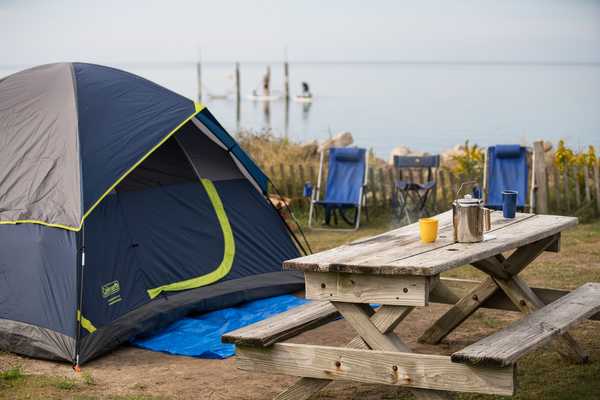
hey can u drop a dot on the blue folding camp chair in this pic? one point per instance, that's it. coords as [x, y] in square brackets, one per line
[346, 181]
[410, 196]
[506, 169]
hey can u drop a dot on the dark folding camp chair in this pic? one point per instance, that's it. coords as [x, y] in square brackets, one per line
[346, 181]
[506, 169]
[410, 197]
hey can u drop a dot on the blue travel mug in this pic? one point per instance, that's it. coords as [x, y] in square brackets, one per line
[509, 203]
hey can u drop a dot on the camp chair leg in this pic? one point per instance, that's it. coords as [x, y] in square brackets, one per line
[310, 213]
[357, 217]
[403, 208]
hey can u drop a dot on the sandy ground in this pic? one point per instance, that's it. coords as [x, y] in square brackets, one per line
[133, 371]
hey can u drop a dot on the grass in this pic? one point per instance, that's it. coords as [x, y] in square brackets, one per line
[10, 378]
[62, 383]
[87, 378]
[11, 374]
[16, 385]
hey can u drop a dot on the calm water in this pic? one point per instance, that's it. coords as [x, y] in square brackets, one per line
[428, 107]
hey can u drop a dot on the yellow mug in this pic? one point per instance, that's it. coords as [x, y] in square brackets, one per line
[428, 229]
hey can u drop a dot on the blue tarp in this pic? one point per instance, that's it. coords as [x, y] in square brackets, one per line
[200, 336]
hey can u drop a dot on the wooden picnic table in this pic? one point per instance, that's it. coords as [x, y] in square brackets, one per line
[398, 272]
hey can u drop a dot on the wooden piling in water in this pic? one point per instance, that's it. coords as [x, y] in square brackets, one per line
[286, 80]
[238, 95]
[199, 80]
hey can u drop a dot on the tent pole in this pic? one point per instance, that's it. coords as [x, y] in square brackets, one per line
[286, 224]
[79, 313]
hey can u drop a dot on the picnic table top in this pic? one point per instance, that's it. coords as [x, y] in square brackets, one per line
[400, 252]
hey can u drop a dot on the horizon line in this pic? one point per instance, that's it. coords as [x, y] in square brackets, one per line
[180, 63]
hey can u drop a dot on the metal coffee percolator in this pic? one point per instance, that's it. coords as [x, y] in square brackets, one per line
[469, 217]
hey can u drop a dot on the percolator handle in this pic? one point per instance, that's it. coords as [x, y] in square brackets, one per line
[461, 186]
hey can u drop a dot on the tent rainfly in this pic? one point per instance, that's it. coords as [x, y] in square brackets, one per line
[123, 206]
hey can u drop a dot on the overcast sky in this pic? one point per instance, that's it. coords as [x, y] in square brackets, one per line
[111, 31]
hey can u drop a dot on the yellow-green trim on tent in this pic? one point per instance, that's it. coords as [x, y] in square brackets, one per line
[229, 250]
[85, 323]
[33, 221]
[197, 109]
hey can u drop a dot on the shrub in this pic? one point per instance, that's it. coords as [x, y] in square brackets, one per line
[470, 162]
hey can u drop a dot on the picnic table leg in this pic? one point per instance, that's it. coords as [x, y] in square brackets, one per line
[527, 301]
[385, 320]
[459, 312]
[305, 388]
[470, 303]
[505, 274]
[358, 316]
[496, 266]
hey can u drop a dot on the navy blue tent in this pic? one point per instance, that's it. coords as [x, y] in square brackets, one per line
[123, 206]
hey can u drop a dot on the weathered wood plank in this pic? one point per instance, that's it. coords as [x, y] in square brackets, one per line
[303, 389]
[586, 183]
[442, 184]
[385, 319]
[378, 367]
[597, 184]
[505, 239]
[460, 312]
[507, 346]
[310, 316]
[388, 317]
[361, 318]
[517, 261]
[557, 191]
[382, 186]
[575, 172]
[400, 252]
[372, 186]
[541, 180]
[355, 288]
[405, 238]
[283, 326]
[523, 297]
[498, 301]
[565, 188]
[358, 316]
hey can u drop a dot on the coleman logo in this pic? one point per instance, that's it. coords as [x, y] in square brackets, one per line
[111, 288]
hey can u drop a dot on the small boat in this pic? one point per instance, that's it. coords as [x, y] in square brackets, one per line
[262, 97]
[218, 96]
[303, 98]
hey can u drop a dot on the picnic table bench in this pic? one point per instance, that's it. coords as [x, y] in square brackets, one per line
[398, 272]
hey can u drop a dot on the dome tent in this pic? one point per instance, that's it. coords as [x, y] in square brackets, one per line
[123, 206]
